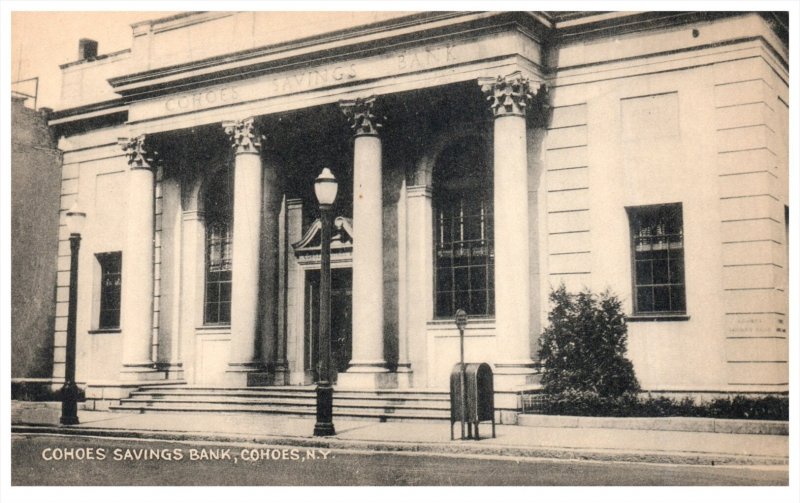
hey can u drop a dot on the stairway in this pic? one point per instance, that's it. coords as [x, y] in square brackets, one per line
[382, 405]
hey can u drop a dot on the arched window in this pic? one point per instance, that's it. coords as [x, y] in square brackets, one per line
[463, 231]
[219, 243]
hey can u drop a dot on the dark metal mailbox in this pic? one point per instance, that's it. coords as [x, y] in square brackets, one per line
[479, 397]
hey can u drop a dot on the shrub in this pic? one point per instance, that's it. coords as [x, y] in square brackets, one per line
[583, 348]
[586, 403]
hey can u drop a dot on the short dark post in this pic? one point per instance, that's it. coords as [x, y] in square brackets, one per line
[70, 392]
[325, 187]
[461, 323]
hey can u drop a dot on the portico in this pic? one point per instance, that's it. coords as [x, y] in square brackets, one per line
[238, 295]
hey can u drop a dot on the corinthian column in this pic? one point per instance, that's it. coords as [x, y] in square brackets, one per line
[246, 142]
[367, 368]
[137, 262]
[509, 98]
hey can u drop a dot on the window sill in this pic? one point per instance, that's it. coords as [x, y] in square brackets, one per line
[450, 322]
[106, 331]
[214, 327]
[657, 317]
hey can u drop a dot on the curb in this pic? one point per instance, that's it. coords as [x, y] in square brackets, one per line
[467, 449]
[692, 424]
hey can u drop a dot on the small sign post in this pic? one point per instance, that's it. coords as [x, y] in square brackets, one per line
[461, 323]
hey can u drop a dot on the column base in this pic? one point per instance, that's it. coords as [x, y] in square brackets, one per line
[367, 375]
[405, 376]
[246, 374]
[280, 374]
[172, 370]
[145, 371]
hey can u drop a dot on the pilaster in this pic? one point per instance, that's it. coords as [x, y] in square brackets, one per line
[419, 274]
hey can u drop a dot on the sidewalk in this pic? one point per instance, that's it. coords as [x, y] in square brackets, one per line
[638, 445]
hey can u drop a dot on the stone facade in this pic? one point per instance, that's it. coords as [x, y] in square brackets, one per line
[582, 122]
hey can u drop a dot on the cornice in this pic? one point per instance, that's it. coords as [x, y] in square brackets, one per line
[550, 29]
[371, 39]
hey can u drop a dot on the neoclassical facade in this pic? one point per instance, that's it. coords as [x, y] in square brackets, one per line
[482, 159]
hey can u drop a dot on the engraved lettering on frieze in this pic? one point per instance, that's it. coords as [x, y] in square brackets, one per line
[202, 99]
[139, 154]
[512, 94]
[244, 135]
[309, 79]
[359, 112]
[425, 58]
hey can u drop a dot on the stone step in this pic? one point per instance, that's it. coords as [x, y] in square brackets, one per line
[291, 390]
[267, 395]
[382, 405]
[291, 401]
[369, 413]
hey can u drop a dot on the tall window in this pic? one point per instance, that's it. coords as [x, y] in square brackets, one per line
[219, 244]
[110, 289]
[463, 232]
[658, 272]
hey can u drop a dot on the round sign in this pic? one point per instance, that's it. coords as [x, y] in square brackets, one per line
[461, 319]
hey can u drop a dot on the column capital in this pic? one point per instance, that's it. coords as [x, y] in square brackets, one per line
[139, 153]
[510, 95]
[244, 135]
[359, 112]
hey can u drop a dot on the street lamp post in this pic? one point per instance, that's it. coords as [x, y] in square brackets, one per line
[69, 392]
[325, 188]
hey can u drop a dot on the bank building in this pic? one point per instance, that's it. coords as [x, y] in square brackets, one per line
[482, 159]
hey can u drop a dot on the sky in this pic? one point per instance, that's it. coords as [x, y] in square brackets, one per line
[41, 41]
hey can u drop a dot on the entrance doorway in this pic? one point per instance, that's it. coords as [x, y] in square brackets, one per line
[341, 322]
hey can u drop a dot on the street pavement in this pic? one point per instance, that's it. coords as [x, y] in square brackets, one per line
[77, 460]
[600, 444]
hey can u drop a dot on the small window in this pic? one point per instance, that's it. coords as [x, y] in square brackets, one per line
[110, 289]
[658, 263]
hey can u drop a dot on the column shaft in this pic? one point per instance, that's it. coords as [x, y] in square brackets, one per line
[244, 283]
[367, 257]
[512, 269]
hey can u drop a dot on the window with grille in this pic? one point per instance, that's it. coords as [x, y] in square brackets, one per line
[463, 232]
[110, 289]
[219, 248]
[658, 259]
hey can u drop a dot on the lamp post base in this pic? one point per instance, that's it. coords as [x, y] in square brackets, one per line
[324, 426]
[68, 420]
[69, 404]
